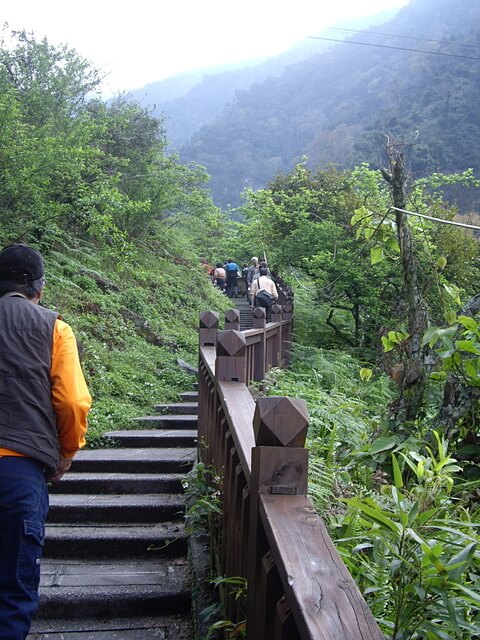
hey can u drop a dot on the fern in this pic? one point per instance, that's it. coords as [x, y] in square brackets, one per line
[321, 478]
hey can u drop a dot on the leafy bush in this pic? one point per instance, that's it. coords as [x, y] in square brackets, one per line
[413, 551]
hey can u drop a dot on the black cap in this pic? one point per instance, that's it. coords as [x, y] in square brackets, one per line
[21, 264]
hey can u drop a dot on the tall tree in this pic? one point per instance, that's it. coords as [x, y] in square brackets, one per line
[414, 377]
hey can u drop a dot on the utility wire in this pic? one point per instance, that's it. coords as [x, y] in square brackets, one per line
[357, 253]
[386, 46]
[452, 222]
[396, 35]
[369, 241]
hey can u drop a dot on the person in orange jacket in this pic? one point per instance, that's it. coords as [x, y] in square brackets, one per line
[44, 402]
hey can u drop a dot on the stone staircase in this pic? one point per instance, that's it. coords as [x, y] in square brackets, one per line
[115, 557]
[246, 313]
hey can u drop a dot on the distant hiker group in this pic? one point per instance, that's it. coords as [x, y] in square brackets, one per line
[255, 279]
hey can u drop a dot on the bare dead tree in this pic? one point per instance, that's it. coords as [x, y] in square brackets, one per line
[412, 387]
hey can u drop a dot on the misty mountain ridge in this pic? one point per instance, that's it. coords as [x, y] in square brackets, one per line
[335, 106]
[188, 101]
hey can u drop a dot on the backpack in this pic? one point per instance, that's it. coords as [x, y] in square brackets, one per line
[264, 297]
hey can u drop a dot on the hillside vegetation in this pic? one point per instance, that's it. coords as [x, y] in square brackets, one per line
[388, 361]
[91, 188]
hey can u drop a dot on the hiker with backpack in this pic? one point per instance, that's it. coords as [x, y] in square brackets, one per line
[264, 291]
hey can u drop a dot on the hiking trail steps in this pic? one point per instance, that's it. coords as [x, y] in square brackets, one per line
[246, 313]
[115, 555]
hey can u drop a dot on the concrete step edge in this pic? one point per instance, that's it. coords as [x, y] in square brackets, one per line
[87, 588]
[113, 508]
[177, 408]
[72, 541]
[137, 453]
[181, 419]
[189, 396]
[121, 601]
[155, 437]
[134, 483]
[132, 628]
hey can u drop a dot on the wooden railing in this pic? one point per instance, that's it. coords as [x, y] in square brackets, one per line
[270, 533]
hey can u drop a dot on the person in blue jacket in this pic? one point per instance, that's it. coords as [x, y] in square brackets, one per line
[232, 269]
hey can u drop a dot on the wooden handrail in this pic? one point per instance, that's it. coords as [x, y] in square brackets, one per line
[270, 533]
[324, 600]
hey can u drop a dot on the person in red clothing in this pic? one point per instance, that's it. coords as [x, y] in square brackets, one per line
[44, 402]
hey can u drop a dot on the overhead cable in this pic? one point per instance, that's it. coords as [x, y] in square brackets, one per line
[386, 46]
[397, 35]
[452, 222]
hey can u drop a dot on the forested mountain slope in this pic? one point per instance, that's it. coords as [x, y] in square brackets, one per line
[334, 107]
[189, 101]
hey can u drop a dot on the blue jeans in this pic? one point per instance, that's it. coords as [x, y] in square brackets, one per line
[23, 510]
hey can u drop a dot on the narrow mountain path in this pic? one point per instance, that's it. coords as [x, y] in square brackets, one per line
[115, 557]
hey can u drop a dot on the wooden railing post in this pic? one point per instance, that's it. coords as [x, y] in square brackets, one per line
[276, 313]
[208, 328]
[280, 467]
[231, 361]
[232, 319]
[259, 318]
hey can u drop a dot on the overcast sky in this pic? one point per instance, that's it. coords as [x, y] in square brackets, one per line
[143, 41]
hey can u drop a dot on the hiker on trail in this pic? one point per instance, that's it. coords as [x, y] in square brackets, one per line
[243, 289]
[44, 402]
[206, 266]
[219, 276]
[257, 273]
[232, 270]
[264, 291]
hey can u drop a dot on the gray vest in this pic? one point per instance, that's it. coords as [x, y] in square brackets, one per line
[27, 418]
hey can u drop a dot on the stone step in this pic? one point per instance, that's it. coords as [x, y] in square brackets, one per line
[119, 483]
[168, 422]
[246, 319]
[129, 587]
[189, 396]
[178, 408]
[138, 460]
[115, 540]
[155, 437]
[89, 509]
[145, 628]
[242, 302]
